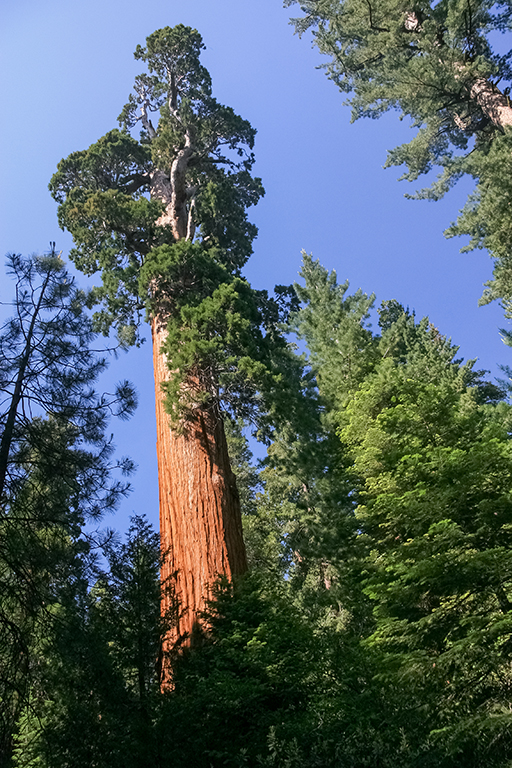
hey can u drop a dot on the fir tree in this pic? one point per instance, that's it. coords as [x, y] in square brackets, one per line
[429, 441]
[400, 534]
[306, 486]
[97, 696]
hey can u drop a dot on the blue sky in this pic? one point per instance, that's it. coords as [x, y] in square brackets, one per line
[66, 69]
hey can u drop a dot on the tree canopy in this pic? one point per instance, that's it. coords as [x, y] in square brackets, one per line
[57, 469]
[187, 178]
[446, 66]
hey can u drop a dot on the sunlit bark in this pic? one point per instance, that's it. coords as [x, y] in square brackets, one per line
[200, 521]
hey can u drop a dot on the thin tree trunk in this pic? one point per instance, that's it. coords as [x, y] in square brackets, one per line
[200, 520]
[8, 433]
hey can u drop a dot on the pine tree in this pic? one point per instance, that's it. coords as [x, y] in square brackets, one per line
[56, 464]
[442, 64]
[47, 367]
[97, 698]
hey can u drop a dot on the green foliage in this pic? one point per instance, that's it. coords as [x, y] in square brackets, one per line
[103, 191]
[269, 686]
[176, 50]
[421, 61]
[48, 370]
[176, 276]
[431, 469]
[221, 213]
[430, 62]
[56, 468]
[125, 202]
[335, 329]
[398, 537]
[306, 488]
[263, 534]
[243, 682]
[220, 338]
[127, 607]
[486, 217]
[77, 712]
[102, 202]
[220, 332]
[375, 628]
[95, 696]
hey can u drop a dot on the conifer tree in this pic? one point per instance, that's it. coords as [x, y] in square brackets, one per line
[444, 65]
[418, 544]
[96, 695]
[305, 480]
[411, 516]
[163, 218]
[429, 439]
[47, 366]
[56, 464]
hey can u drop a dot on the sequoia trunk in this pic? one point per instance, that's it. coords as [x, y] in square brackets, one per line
[200, 520]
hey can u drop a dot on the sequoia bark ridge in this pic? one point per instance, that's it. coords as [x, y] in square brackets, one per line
[200, 520]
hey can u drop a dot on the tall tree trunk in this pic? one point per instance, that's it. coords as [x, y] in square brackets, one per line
[200, 520]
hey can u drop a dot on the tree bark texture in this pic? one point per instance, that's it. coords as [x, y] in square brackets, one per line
[493, 103]
[200, 520]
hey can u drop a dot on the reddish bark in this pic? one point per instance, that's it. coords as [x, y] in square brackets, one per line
[200, 520]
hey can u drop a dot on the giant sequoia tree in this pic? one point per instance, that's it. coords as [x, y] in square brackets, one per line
[163, 218]
[444, 65]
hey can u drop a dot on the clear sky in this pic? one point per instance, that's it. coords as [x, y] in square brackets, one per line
[66, 69]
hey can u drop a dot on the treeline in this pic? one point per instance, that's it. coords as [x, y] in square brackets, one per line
[374, 625]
